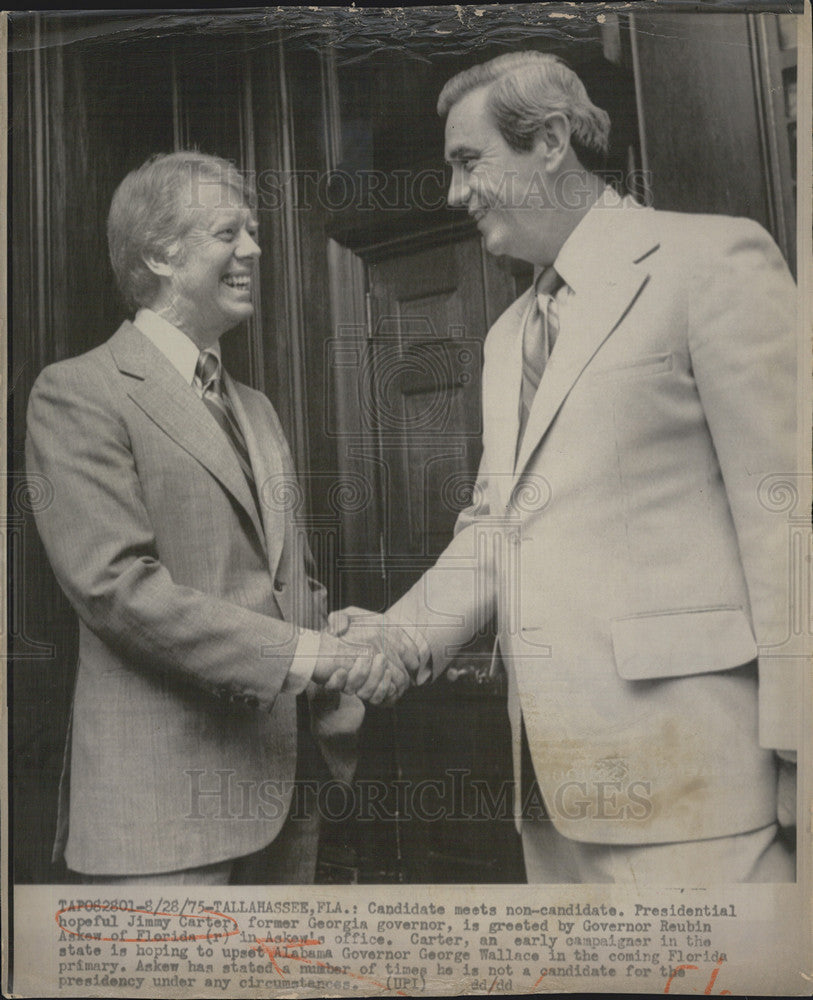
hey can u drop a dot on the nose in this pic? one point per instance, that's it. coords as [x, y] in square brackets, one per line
[247, 245]
[459, 190]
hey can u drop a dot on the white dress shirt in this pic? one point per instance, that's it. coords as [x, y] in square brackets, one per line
[183, 353]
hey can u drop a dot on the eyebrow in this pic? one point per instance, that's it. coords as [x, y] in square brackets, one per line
[243, 216]
[461, 153]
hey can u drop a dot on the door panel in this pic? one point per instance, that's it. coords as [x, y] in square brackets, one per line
[428, 326]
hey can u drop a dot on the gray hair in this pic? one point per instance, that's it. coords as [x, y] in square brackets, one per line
[151, 212]
[525, 88]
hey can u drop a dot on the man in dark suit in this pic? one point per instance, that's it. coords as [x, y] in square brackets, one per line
[636, 400]
[199, 622]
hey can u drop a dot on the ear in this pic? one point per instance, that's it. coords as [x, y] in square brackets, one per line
[157, 265]
[553, 139]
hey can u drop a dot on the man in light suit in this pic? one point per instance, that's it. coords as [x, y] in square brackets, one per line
[169, 533]
[634, 400]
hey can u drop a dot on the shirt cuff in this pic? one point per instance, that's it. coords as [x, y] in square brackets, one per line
[303, 663]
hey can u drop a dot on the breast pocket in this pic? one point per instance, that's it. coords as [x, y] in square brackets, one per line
[651, 364]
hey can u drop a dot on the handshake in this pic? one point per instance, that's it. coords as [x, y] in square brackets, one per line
[365, 654]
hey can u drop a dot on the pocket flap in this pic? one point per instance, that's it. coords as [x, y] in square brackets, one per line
[677, 643]
[652, 364]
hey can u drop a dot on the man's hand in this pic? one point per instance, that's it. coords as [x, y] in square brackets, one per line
[359, 669]
[366, 628]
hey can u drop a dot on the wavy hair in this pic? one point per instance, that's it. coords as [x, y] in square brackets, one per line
[152, 210]
[525, 87]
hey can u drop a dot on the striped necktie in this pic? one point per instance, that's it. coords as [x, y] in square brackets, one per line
[538, 337]
[208, 372]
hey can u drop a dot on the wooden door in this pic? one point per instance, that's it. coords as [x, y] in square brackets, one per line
[445, 749]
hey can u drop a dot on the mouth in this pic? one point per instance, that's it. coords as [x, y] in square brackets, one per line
[242, 282]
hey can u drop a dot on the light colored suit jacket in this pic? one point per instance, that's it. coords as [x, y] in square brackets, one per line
[187, 605]
[633, 564]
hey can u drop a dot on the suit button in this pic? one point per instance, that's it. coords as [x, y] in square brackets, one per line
[279, 585]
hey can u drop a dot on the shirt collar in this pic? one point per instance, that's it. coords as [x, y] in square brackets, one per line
[173, 343]
[575, 261]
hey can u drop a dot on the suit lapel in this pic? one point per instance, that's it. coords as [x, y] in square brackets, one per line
[158, 389]
[280, 500]
[595, 311]
[502, 404]
[591, 320]
[265, 451]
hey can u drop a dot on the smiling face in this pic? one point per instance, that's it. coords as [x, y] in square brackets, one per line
[504, 191]
[206, 280]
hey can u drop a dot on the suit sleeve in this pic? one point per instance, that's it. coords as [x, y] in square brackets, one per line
[456, 598]
[743, 351]
[102, 548]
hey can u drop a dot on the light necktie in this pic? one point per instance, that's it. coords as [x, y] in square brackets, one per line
[538, 337]
[209, 373]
